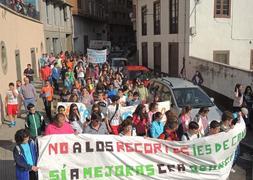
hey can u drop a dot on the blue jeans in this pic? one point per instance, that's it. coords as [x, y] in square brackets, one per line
[28, 101]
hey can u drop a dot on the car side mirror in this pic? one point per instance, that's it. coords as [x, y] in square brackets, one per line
[212, 99]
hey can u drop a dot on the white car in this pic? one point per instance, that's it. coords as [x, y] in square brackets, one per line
[182, 93]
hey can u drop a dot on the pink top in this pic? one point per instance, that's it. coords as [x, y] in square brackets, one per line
[185, 120]
[53, 129]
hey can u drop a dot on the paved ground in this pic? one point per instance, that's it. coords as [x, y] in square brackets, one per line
[7, 169]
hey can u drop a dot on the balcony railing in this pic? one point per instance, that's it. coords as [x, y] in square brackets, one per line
[26, 9]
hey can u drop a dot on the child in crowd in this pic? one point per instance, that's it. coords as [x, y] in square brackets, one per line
[114, 115]
[34, 121]
[67, 83]
[126, 127]
[170, 129]
[25, 156]
[192, 132]
[11, 103]
[202, 120]
[157, 125]
[226, 121]
[214, 128]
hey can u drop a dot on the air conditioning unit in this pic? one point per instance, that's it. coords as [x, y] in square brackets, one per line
[193, 31]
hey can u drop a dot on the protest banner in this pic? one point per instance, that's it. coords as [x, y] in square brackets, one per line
[96, 56]
[125, 111]
[86, 156]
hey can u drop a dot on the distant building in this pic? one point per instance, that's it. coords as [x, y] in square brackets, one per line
[89, 22]
[56, 17]
[214, 37]
[120, 27]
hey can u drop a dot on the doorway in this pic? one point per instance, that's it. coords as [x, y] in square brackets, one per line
[18, 65]
[33, 59]
[173, 59]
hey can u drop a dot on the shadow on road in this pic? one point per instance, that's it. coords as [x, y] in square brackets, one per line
[7, 144]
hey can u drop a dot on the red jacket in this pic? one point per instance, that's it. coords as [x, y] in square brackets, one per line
[140, 125]
[45, 72]
[169, 135]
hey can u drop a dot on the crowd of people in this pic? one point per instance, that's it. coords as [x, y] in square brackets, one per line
[105, 91]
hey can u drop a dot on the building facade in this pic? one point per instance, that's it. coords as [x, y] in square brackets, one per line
[56, 17]
[160, 32]
[213, 37]
[120, 30]
[89, 22]
[21, 43]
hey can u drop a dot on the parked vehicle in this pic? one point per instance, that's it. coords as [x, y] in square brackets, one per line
[182, 93]
[138, 72]
[118, 64]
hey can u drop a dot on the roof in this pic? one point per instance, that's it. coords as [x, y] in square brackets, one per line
[177, 82]
[137, 68]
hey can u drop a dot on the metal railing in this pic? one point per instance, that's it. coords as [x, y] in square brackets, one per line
[26, 9]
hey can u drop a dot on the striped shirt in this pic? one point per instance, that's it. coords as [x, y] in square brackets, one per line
[28, 91]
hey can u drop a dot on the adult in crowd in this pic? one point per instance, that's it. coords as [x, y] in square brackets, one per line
[238, 98]
[96, 126]
[59, 126]
[29, 72]
[28, 93]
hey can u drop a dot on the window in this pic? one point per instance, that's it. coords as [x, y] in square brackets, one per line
[222, 8]
[79, 4]
[173, 11]
[157, 56]
[144, 20]
[251, 59]
[144, 51]
[47, 11]
[221, 57]
[55, 15]
[157, 17]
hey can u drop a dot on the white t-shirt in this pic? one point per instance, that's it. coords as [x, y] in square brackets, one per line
[117, 118]
[191, 137]
[11, 98]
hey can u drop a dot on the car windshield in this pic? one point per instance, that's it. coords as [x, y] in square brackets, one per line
[193, 97]
[118, 63]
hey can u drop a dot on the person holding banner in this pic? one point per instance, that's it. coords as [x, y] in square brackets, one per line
[96, 126]
[75, 119]
[126, 127]
[114, 115]
[59, 126]
[140, 120]
[170, 129]
[25, 156]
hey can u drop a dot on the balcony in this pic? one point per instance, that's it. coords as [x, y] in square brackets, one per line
[27, 9]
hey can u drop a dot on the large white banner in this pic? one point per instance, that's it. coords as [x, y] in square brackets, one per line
[96, 56]
[101, 157]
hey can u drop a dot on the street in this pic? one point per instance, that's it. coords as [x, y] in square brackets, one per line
[7, 168]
